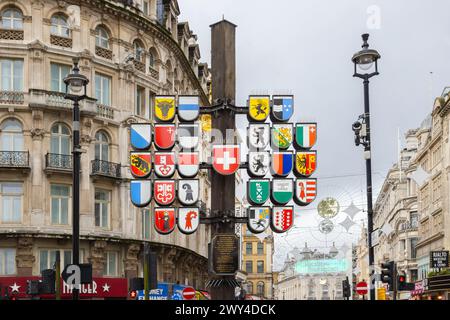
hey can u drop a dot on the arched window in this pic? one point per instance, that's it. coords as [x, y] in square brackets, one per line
[101, 37]
[249, 287]
[138, 50]
[60, 27]
[60, 139]
[151, 59]
[101, 146]
[12, 18]
[260, 289]
[11, 135]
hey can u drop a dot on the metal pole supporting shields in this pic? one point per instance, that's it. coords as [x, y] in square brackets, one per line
[223, 64]
[76, 193]
[368, 156]
[146, 271]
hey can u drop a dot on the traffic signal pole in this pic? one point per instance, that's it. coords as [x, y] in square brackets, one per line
[223, 64]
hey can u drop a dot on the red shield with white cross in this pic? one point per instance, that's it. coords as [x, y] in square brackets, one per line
[226, 159]
[164, 192]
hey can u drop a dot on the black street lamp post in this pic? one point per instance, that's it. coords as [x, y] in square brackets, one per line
[364, 61]
[75, 83]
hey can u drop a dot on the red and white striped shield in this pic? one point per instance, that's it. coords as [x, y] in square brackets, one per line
[305, 191]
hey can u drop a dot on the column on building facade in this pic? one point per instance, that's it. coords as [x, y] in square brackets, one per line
[97, 257]
[37, 187]
[25, 257]
[87, 220]
[35, 14]
[131, 260]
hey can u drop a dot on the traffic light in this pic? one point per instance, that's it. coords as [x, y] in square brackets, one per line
[388, 273]
[32, 287]
[133, 294]
[402, 285]
[346, 288]
[47, 286]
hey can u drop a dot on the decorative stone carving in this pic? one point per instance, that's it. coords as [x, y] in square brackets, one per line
[37, 133]
[86, 139]
[24, 255]
[131, 259]
[97, 257]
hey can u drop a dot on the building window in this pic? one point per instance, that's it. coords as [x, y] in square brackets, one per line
[414, 275]
[260, 266]
[146, 223]
[140, 101]
[58, 73]
[60, 27]
[12, 75]
[249, 287]
[102, 205]
[7, 261]
[47, 258]
[11, 135]
[12, 19]
[160, 11]
[138, 51]
[11, 194]
[145, 8]
[103, 89]
[437, 189]
[60, 139]
[60, 196]
[248, 248]
[249, 266]
[101, 38]
[260, 289]
[260, 248]
[110, 267]
[413, 249]
[101, 146]
[414, 219]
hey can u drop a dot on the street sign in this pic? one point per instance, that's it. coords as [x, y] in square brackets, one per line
[439, 259]
[375, 237]
[361, 288]
[188, 293]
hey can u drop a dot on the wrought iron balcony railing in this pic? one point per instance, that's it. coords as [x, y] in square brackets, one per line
[58, 161]
[14, 159]
[106, 168]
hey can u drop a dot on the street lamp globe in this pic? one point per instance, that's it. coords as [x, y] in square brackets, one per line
[75, 82]
[366, 58]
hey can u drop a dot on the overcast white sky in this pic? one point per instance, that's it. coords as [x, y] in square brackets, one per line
[305, 46]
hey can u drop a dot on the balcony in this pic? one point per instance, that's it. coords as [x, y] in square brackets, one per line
[55, 100]
[104, 53]
[105, 169]
[58, 162]
[14, 159]
[104, 111]
[140, 66]
[61, 41]
[12, 97]
[153, 73]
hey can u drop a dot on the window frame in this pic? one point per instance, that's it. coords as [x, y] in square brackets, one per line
[139, 106]
[99, 37]
[106, 271]
[60, 198]
[259, 263]
[57, 28]
[100, 145]
[12, 196]
[101, 203]
[100, 91]
[14, 64]
[4, 261]
[247, 264]
[249, 248]
[60, 136]
[12, 18]
[60, 80]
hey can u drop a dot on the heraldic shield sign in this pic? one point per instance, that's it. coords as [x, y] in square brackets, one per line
[188, 135]
[305, 135]
[258, 191]
[283, 108]
[188, 164]
[165, 220]
[282, 136]
[188, 191]
[164, 108]
[282, 191]
[305, 191]
[282, 219]
[282, 163]
[188, 108]
[164, 163]
[258, 108]
[165, 136]
[188, 220]
[226, 159]
[305, 163]
[141, 192]
[258, 135]
[141, 136]
[258, 163]
[140, 164]
[164, 192]
[258, 219]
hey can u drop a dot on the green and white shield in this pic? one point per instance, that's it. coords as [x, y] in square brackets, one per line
[258, 191]
[282, 191]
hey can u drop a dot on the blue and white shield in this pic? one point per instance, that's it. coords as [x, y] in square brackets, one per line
[188, 108]
[141, 192]
[141, 136]
[283, 108]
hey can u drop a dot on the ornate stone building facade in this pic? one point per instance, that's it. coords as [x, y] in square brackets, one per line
[130, 51]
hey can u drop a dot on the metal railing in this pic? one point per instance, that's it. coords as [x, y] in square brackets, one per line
[106, 168]
[58, 161]
[13, 97]
[14, 159]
